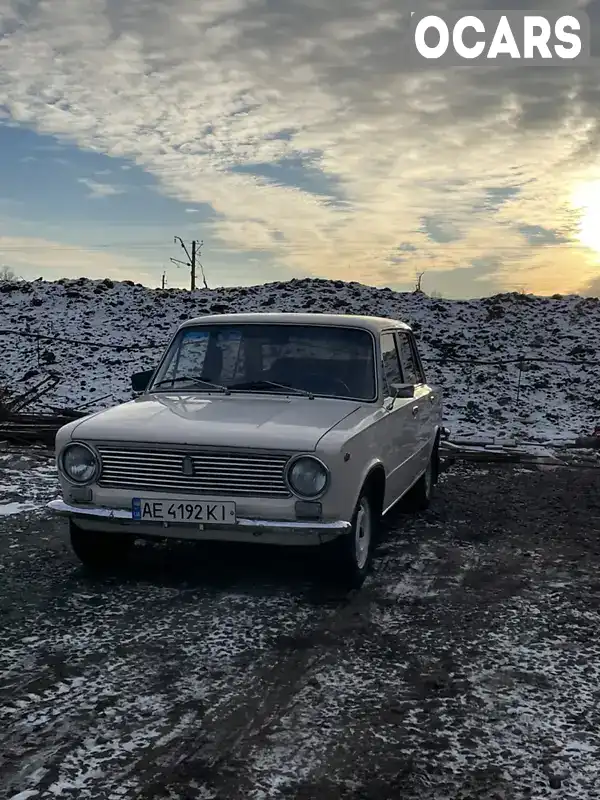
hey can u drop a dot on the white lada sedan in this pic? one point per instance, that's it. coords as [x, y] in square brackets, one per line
[290, 429]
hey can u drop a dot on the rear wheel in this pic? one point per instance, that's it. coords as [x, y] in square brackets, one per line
[352, 553]
[419, 497]
[100, 551]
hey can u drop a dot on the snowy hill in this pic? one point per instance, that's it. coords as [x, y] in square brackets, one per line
[556, 401]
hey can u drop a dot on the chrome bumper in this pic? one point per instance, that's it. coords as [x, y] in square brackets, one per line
[120, 515]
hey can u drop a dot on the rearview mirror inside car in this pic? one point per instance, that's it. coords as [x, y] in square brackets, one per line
[141, 380]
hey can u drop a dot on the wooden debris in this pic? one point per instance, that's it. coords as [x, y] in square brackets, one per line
[35, 428]
[19, 402]
[19, 427]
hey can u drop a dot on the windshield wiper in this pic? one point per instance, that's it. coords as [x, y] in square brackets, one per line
[258, 385]
[191, 379]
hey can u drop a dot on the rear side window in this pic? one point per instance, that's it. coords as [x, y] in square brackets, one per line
[392, 372]
[408, 356]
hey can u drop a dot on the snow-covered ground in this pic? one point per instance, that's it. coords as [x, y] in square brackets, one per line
[28, 480]
[467, 668]
[554, 402]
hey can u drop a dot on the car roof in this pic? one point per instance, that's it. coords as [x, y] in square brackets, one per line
[372, 324]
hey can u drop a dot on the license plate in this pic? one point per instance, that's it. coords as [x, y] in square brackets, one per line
[183, 511]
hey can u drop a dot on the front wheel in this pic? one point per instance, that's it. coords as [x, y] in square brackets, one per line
[352, 553]
[100, 551]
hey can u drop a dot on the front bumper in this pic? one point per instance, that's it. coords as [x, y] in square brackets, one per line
[268, 531]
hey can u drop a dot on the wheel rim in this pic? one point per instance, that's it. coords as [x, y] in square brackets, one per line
[362, 533]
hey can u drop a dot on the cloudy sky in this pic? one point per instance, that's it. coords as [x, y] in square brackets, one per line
[292, 138]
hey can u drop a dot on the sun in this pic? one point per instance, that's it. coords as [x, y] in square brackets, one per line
[586, 202]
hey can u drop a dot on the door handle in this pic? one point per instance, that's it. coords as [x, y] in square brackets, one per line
[415, 410]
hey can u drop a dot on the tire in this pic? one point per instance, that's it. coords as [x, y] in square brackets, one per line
[351, 555]
[418, 498]
[436, 462]
[100, 551]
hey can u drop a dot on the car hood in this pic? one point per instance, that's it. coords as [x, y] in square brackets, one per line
[254, 421]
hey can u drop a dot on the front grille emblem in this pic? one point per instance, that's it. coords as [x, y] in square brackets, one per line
[188, 466]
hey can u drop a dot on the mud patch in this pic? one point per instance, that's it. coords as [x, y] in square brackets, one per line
[466, 667]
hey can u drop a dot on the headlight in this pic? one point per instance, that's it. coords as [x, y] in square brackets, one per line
[79, 463]
[307, 477]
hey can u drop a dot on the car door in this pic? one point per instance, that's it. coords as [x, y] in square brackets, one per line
[398, 429]
[423, 409]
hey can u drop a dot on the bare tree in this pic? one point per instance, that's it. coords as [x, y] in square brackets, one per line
[7, 274]
[418, 289]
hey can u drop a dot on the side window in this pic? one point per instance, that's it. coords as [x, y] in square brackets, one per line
[392, 372]
[410, 365]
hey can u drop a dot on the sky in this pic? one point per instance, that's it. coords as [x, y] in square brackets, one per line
[290, 137]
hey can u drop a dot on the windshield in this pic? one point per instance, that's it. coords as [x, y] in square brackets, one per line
[294, 359]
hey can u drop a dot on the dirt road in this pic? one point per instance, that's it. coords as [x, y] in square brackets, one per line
[467, 667]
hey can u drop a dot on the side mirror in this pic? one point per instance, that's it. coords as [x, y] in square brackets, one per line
[141, 380]
[403, 390]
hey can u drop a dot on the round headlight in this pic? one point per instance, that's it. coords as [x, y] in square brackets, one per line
[79, 463]
[308, 477]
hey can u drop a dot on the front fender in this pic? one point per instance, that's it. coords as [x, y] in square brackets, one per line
[64, 435]
[350, 468]
[370, 466]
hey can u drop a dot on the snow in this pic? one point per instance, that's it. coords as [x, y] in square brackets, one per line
[8, 509]
[460, 689]
[28, 480]
[556, 401]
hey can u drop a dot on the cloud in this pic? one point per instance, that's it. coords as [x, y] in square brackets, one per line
[37, 257]
[592, 288]
[198, 93]
[101, 189]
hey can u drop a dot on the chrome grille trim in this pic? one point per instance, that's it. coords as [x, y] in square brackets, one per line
[224, 474]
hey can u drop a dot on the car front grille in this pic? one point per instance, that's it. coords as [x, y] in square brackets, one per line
[218, 474]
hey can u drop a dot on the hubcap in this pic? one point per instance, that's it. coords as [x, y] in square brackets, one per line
[362, 533]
